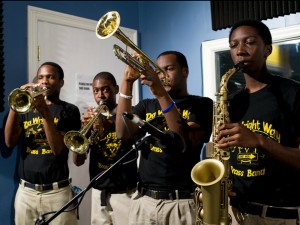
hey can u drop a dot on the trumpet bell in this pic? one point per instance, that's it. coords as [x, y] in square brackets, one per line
[108, 25]
[20, 101]
[76, 142]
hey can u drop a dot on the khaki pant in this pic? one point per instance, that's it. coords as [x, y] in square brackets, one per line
[248, 219]
[117, 209]
[30, 204]
[145, 210]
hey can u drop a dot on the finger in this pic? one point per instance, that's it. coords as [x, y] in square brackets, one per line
[231, 193]
[146, 82]
[227, 131]
[143, 77]
[149, 77]
[225, 126]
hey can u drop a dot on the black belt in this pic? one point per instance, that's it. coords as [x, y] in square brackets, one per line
[46, 187]
[272, 211]
[167, 195]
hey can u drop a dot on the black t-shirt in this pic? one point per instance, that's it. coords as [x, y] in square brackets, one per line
[104, 152]
[165, 168]
[273, 112]
[38, 164]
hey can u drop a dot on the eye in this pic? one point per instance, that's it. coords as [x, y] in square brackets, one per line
[95, 91]
[106, 90]
[233, 45]
[170, 68]
[249, 43]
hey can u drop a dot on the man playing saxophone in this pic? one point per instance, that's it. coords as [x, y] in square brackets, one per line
[264, 135]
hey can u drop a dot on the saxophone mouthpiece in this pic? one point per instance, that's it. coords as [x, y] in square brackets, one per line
[239, 66]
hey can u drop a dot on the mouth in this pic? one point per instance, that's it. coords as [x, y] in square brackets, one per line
[103, 102]
[165, 81]
[44, 87]
[242, 59]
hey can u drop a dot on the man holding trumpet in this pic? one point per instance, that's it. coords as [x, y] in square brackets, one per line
[110, 193]
[43, 168]
[165, 189]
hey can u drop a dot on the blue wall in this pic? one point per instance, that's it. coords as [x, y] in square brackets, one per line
[162, 25]
[179, 25]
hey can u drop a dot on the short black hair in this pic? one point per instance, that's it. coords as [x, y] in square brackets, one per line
[107, 76]
[181, 59]
[261, 28]
[58, 67]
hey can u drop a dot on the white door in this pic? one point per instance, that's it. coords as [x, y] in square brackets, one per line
[72, 43]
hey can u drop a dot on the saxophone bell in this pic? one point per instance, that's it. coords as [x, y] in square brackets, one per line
[208, 174]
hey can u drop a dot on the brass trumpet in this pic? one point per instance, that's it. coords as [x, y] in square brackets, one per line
[77, 141]
[20, 100]
[107, 26]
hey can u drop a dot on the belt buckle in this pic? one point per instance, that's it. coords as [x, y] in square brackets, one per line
[264, 211]
[38, 187]
[154, 194]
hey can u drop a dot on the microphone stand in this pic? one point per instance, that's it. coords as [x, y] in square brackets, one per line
[41, 220]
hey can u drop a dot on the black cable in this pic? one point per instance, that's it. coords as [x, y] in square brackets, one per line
[131, 137]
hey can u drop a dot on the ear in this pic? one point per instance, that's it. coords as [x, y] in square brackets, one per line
[268, 50]
[185, 72]
[61, 83]
[116, 89]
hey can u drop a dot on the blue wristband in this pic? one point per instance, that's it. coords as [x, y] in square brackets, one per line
[168, 108]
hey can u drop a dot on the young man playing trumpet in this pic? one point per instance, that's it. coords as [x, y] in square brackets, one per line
[110, 194]
[165, 190]
[43, 167]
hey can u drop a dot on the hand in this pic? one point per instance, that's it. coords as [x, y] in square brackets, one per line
[130, 74]
[152, 80]
[39, 99]
[39, 103]
[235, 134]
[231, 194]
[89, 114]
[104, 127]
[32, 87]
[28, 86]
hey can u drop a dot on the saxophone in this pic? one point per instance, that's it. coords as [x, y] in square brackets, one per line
[212, 175]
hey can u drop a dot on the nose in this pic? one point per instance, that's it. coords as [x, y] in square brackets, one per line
[44, 80]
[241, 49]
[100, 95]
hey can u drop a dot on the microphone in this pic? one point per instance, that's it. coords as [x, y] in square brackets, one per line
[156, 133]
